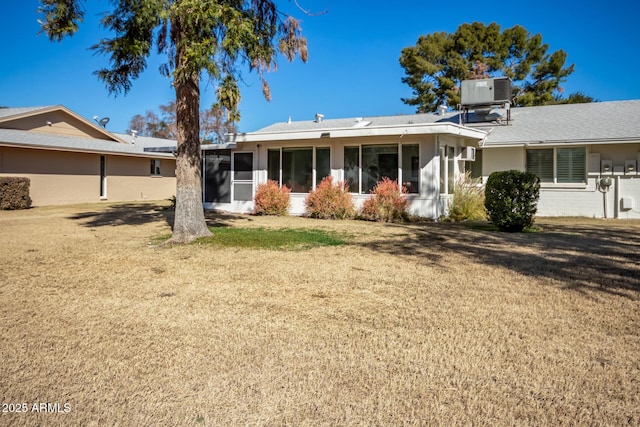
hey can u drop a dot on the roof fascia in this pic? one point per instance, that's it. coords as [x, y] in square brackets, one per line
[391, 130]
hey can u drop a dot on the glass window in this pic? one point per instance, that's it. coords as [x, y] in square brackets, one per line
[297, 169]
[451, 169]
[571, 164]
[378, 161]
[475, 167]
[540, 163]
[323, 163]
[273, 165]
[410, 167]
[155, 167]
[352, 168]
[243, 166]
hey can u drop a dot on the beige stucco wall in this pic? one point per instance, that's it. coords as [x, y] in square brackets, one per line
[502, 159]
[128, 178]
[59, 177]
[61, 124]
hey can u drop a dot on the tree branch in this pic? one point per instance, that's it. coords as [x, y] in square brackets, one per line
[308, 12]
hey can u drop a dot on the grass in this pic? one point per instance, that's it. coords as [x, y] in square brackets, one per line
[267, 238]
[405, 324]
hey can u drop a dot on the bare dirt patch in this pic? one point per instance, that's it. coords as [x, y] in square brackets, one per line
[414, 324]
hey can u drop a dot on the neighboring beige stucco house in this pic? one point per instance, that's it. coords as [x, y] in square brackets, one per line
[69, 159]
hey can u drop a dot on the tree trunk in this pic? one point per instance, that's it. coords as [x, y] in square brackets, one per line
[189, 222]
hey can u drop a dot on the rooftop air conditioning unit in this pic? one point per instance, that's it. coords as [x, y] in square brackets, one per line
[485, 91]
[468, 154]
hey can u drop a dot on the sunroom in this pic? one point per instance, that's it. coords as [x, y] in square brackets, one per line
[425, 156]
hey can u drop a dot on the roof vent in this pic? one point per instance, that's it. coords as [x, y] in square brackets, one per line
[319, 118]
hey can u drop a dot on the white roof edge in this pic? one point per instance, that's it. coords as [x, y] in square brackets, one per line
[350, 132]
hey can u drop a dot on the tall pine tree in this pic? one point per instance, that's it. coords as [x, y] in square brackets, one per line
[439, 62]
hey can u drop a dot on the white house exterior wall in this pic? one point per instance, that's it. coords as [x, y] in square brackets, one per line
[579, 199]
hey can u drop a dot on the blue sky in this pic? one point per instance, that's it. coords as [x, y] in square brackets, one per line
[353, 67]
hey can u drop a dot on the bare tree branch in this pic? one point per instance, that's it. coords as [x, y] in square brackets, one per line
[308, 12]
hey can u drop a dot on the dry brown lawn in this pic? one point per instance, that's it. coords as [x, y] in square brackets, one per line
[417, 324]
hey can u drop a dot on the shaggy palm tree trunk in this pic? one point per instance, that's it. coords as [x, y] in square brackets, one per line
[189, 222]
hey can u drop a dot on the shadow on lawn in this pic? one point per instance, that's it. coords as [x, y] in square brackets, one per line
[141, 213]
[603, 257]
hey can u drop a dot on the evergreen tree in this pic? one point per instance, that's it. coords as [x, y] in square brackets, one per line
[198, 38]
[439, 62]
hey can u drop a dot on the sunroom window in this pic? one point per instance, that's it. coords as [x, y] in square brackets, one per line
[294, 167]
[366, 165]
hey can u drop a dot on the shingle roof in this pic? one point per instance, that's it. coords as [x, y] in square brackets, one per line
[8, 112]
[21, 138]
[598, 121]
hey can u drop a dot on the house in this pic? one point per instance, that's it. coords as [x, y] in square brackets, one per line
[586, 155]
[70, 159]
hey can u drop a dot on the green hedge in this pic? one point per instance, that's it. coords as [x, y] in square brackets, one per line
[511, 199]
[14, 193]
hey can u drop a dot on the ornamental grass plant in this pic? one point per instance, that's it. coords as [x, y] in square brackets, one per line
[468, 199]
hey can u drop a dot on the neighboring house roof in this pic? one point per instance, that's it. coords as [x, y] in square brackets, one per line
[104, 143]
[26, 139]
[13, 112]
[150, 144]
[591, 123]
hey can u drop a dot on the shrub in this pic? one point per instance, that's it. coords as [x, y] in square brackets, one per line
[329, 201]
[468, 199]
[14, 193]
[271, 199]
[388, 203]
[511, 199]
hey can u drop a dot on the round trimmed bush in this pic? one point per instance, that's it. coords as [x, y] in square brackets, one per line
[511, 199]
